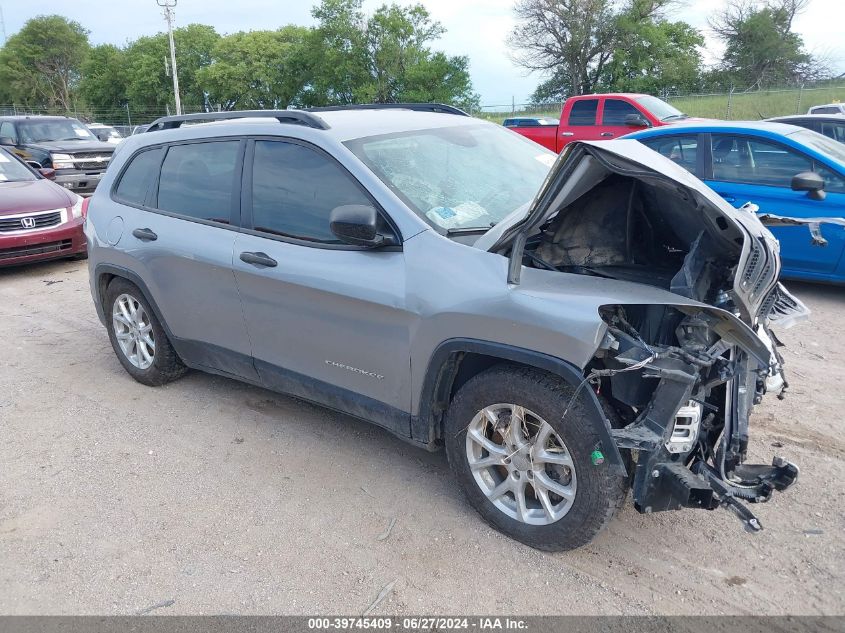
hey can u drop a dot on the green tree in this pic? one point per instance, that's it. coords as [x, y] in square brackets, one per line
[571, 41]
[334, 58]
[40, 65]
[104, 78]
[654, 57]
[255, 70]
[761, 49]
[148, 59]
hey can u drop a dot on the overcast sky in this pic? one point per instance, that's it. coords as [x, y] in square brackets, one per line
[476, 28]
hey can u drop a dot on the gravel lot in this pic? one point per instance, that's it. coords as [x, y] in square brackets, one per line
[210, 496]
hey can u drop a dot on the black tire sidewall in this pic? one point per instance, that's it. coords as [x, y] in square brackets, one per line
[162, 368]
[597, 492]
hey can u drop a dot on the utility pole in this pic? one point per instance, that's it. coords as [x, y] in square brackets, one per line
[2, 25]
[168, 6]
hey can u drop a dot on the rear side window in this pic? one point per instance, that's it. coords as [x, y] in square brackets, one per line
[139, 176]
[198, 180]
[826, 110]
[583, 112]
[680, 149]
[834, 130]
[295, 189]
[615, 111]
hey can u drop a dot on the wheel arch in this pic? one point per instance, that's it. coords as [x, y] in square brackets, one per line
[457, 360]
[104, 274]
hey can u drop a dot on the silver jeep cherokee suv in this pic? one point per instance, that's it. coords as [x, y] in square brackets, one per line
[566, 327]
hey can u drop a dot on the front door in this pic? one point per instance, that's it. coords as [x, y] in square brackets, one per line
[327, 321]
[747, 169]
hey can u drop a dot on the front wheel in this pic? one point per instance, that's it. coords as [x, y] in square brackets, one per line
[528, 471]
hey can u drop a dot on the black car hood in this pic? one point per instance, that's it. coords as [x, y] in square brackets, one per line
[71, 147]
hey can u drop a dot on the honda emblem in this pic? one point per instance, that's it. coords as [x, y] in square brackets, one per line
[28, 223]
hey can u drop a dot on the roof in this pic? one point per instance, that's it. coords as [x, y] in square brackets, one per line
[630, 95]
[24, 117]
[341, 125]
[715, 126]
[809, 117]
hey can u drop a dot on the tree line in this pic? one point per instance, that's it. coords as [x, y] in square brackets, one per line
[578, 46]
[583, 46]
[345, 58]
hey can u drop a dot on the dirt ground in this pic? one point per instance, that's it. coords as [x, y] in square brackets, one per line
[210, 496]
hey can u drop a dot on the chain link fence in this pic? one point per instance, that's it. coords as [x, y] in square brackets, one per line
[735, 104]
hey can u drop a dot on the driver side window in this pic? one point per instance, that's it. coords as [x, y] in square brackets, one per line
[295, 189]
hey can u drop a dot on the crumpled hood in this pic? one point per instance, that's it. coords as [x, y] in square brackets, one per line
[758, 261]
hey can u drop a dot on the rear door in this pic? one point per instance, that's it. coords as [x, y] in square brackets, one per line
[327, 320]
[749, 169]
[179, 217]
[581, 123]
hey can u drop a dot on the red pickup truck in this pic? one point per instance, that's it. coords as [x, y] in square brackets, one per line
[600, 117]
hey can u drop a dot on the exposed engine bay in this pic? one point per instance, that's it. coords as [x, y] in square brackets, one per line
[678, 382]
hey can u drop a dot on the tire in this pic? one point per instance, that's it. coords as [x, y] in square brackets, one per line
[560, 523]
[162, 365]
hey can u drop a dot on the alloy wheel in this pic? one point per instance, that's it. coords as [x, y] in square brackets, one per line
[133, 331]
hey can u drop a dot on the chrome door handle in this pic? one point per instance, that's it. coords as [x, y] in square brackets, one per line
[145, 235]
[567, 133]
[606, 134]
[259, 259]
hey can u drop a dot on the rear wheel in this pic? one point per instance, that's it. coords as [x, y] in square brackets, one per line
[138, 338]
[528, 471]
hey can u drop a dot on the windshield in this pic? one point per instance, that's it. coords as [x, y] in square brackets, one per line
[12, 170]
[660, 109]
[33, 131]
[458, 177]
[821, 143]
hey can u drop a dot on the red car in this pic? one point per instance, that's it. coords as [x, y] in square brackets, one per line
[601, 117]
[38, 218]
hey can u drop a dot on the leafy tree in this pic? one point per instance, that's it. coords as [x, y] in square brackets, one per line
[104, 78]
[573, 40]
[383, 59]
[40, 65]
[149, 84]
[760, 47]
[334, 57]
[255, 70]
[654, 57]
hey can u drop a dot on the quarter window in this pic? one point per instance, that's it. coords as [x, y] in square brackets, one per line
[583, 112]
[139, 176]
[615, 111]
[680, 149]
[8, 130]
[197, 180]
[295, 189]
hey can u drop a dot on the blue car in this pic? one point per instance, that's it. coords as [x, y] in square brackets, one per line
[785, 170]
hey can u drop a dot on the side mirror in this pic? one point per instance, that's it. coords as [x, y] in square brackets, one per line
[810, 182]
[5, 140]
[357, 224]
[636, 120]
[49, 174]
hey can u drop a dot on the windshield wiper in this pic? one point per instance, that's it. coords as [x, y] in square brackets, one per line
[458, 230]
[675, 116]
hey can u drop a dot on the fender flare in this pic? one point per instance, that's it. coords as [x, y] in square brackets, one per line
[132, 277]
[440, 367]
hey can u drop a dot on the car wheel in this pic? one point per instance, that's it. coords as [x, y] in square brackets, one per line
[138, 338]
[531, 473]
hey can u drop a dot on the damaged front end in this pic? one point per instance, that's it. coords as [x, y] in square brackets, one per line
[684, 395]
[679, 371]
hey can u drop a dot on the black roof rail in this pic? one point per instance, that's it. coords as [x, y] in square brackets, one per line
[296, 117]
[418, 107]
